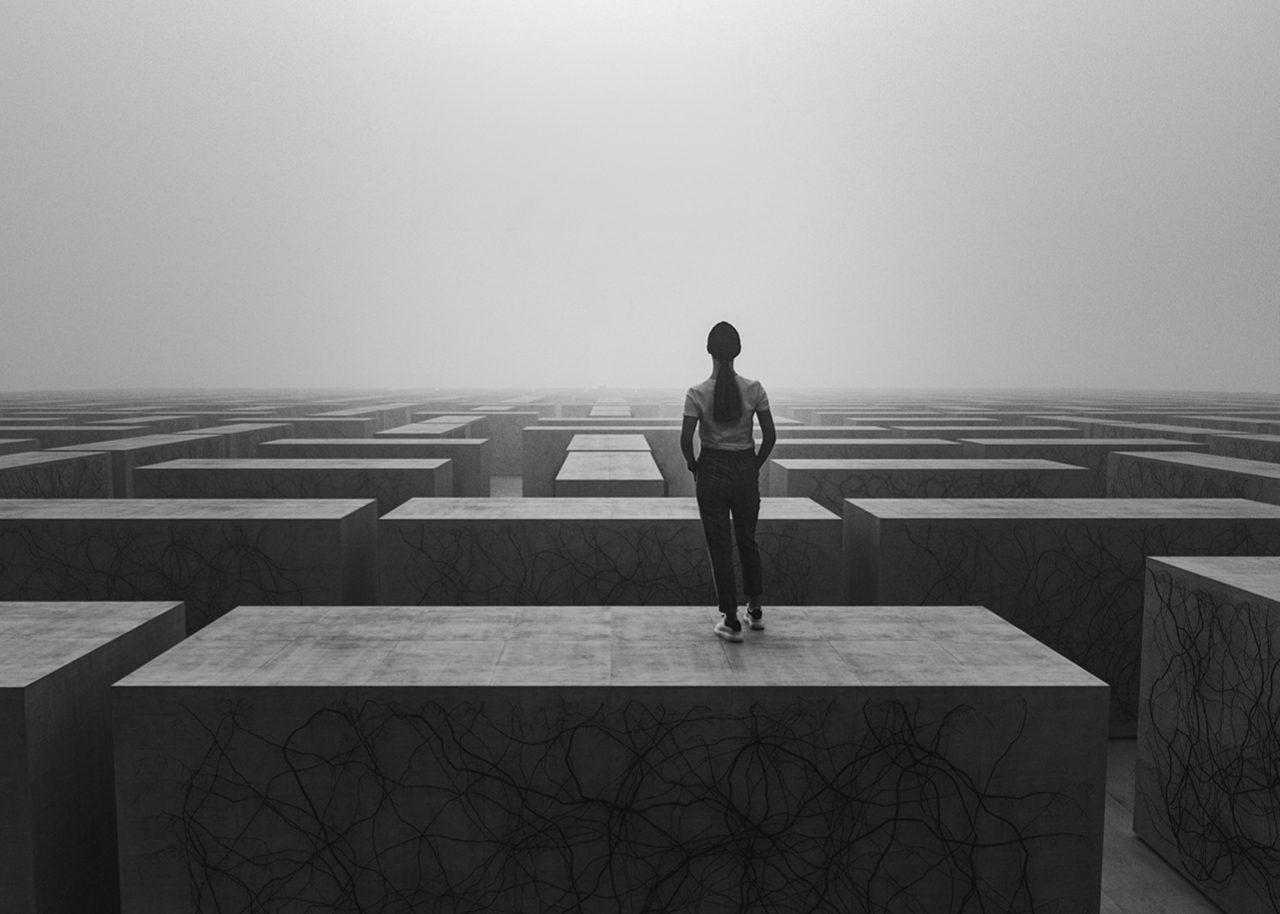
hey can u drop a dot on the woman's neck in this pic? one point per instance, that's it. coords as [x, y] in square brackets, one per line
[715, 366]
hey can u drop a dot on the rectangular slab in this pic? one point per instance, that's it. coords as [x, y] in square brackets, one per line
[1162, 474]
[609, 474]
[57, 796]
[470, 456]
[608, 443]
[1066, 571]
[1117, 428]
[129, 453]
[546, 446]
[388, 482]
[212, 554]
[56, 474]
[242, 438]
[18, 445]
[51, 436]
[593, 550]
[852, 449]
[955, 432]
[325, 426]
[1091, 453]
[505, 434]
[153, 423]
[1248, 447]
[1207, 794]
[830, 482]
[621, 756]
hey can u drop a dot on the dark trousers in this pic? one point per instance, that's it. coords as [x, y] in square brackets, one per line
[728, 488]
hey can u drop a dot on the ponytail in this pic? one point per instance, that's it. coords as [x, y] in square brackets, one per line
[724, 345]
[727, 405]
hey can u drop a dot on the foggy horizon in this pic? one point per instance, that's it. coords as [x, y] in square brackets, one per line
[568, 195]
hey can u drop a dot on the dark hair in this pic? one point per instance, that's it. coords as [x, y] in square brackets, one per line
[724, 344]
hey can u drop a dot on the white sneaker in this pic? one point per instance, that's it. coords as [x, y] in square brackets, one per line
[724, 631]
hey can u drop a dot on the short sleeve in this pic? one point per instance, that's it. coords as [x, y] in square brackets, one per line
[691, 405]
[762, 398]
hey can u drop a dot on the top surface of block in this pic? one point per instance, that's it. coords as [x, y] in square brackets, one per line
[924, 464]
[39, 638]
[31, 458]
[874, 442]
[1109, 444]
[420, 441]
[150, 509]
[1258, 575]
[1212, 462]
[138, 441]
[234, 428]
[609, 465]
[627, 442]
[280, 464]
[583, 509]
[607, 646]
[1094, 509]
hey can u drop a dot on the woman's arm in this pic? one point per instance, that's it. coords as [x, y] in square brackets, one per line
[686, 442]
[770, 437]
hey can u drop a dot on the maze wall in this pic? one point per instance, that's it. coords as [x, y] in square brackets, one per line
[473, 669]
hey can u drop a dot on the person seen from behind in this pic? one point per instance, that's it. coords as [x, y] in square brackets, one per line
[726, 473]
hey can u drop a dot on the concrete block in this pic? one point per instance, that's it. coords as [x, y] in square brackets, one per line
[56, 474]
[1066, 571]
[1207, 781]
[610, 759]
[470, 456]
[211, 554]
[592, 550]
[127, 454]
[830, 482]
[388, 482]
[57, 809]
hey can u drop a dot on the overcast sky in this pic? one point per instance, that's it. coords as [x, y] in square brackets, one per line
[1047, 194]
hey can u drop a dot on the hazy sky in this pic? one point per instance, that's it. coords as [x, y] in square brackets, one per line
[569, 194]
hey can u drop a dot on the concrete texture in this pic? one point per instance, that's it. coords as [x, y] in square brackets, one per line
[1175, 475]
[51, 436]
[470, 456]
[1066, 571]
[607, 759]
[56, 474]
[242, 438]
[592, 550]
[830, 482]
[57, 810]
[212, 554]
[129, 453]
[1208, 782]
[1090, 453]
[18, 445]
[609, 474]
[389, 482]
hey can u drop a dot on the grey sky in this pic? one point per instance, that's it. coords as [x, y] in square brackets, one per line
[535, 194]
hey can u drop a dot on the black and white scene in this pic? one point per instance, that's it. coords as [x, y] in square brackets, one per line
[640, 456]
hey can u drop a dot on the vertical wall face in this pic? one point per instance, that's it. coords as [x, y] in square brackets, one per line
[378, 774]
[57, 810]
[17, 876]
[581, 551]
[1074, 582]
[1208, 774]
[213, 555]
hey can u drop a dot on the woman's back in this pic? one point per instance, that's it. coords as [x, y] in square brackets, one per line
[733, 435]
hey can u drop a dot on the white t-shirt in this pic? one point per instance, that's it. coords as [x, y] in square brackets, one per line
[726, 436]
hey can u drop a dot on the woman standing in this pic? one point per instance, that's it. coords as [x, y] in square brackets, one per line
[727, 473]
